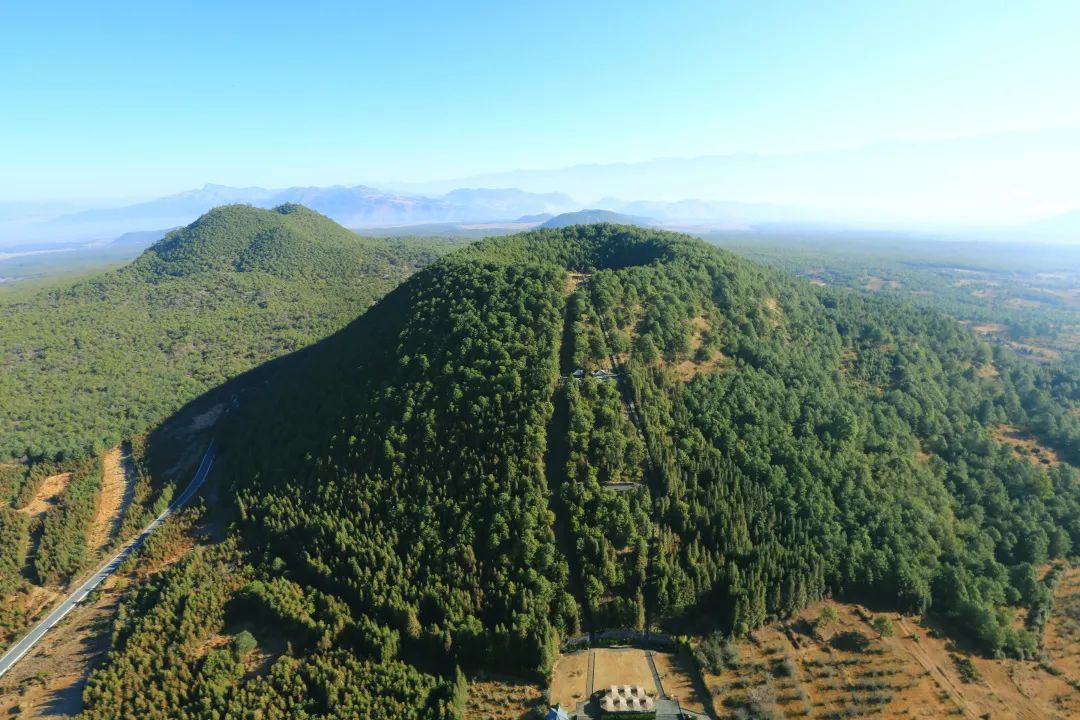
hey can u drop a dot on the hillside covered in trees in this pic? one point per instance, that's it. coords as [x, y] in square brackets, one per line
[85, 366]
[432, 489]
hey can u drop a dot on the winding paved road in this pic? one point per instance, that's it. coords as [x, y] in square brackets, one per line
[79, 594]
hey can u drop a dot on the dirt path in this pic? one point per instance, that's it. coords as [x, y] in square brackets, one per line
[116, 490]
[48, 494]
[656, 676]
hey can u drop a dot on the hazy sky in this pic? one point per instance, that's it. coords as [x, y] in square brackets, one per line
[142, 98]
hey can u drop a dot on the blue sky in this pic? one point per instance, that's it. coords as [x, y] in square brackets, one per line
[134, 99]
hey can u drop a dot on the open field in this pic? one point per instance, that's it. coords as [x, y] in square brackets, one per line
[1025, 446]
[803, 668]
[676, 673]
[47, 494]
[876, 284]
[502, 698]
[622, 666]
[988, 328]
[569, 679]
[1062, 639]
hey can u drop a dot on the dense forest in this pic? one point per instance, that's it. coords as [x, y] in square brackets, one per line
[1021, 295]
[85, 366]
[403, 516]
[44, 531]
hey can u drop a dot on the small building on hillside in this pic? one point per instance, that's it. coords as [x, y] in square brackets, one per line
[627, 701]
[579, 373]
[602, 374]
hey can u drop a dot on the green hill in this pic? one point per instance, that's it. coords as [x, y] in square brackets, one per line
[110, 356]
[430, 488]
[289, 241]
[593, 217]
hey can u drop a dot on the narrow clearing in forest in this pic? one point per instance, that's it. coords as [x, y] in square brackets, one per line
[555, 459]
[48, 494]
[116, 490]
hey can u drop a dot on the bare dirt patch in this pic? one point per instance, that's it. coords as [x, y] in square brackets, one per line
[502, 698]
[190, 445]
[911, 674]
[569, 679]
[689, 369]
[876, 284]
[48, 682]
[686, 370]
[793, 669]
[1062, 639]
[574, 281]
[1023, 302]
[1037, 352]
[773, 311]
[1071, 296]
[48, 494]
[1025, 446]
[987, 371]
[997, 693]
[115, 486]
[676, 675]
[623, 666]
[988, 328]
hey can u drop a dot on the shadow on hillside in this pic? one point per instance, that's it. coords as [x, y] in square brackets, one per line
[240, 413]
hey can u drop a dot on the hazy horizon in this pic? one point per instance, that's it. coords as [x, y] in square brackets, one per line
[915, 113]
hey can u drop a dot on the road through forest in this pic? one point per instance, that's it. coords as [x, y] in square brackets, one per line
[76, 596]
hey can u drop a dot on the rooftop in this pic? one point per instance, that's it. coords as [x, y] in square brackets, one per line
[626, 698]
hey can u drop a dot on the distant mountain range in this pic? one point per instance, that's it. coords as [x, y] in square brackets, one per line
[361, 207]
[524, 197]
[358, 206]
[933, 184]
